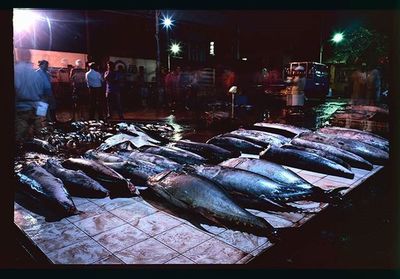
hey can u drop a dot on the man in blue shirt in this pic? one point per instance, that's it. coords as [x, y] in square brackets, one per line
[97, 96]
[29, 92]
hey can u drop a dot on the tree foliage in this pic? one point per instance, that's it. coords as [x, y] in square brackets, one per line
[361, 45]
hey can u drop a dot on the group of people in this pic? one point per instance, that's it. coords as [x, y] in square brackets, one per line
[181, 87]
[36, 103]
[365, 84]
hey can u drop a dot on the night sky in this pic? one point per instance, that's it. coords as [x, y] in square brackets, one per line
[263, 34]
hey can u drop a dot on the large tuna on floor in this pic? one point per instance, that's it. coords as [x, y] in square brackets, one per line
[252, 189]
[305, 160]
[280, 129]
[365, 137]
[321, 153]
[137, 171]
[213, 153]
[152, 158]
[40, 146]
[177, 154]
[201, 196]
[76, 182]
[104, 156]
[236, 144]
[284, 176]
[366, 151]
[42, 185]
[268, 138]
[350, 158]
[110, 179]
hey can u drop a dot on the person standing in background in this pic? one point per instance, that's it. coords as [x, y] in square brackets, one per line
[373, 86]
[80, 94]
[97, 96]
[29, 94]
[358, 84]
[113, 91]
[48, 93]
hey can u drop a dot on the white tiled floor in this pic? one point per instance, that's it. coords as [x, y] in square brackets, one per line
[132, 231]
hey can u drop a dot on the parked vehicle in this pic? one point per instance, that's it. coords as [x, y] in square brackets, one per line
[317, 84]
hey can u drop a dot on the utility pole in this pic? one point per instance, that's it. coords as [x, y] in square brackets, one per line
[157, 14]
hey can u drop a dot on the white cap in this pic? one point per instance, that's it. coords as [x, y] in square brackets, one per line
[299, 68]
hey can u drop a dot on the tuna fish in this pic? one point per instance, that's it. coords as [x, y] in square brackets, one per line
[281, 129]
[351, 158]
[266, 137]
[368, 152]
[365, 137]
[103, 156]
[202, 197]
[284, 176]
[137, 171]
[235, 144]
[76, 182]
[110, 179]
[178, 155]
[321, 153]
[305, 160]
[40, 146]
[152, 158]
[40, 184]
[213, 153]
[252, 189]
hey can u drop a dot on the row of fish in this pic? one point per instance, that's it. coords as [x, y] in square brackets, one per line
[207, 178]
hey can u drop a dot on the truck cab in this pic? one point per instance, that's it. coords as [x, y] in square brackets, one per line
[317, 84]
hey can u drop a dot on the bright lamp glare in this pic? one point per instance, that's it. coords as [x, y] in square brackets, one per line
[24, 19]
[337, 37]
[175, 48]
[167, 22]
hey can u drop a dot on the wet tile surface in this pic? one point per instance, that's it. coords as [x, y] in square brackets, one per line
[120, 238]
[79, 201]
[134, 212]
[138, 233]
[99, 223]
[309, 178]
[189, 237]
[110, 260]
[180, 260]
[243, 241]
[214, 251]
[87, 210]
[85, 252]
[149, 251]
[53, 236]
[157, 223]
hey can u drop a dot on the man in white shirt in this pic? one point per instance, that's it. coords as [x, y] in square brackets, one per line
[97, 96]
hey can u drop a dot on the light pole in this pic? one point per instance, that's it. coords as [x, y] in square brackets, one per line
[337, 38]
[167, 23]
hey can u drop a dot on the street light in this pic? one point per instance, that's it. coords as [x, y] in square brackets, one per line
[175, 48]
[167, 22]
[337, 38]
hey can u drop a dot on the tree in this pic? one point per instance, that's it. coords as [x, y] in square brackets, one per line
[362, 45]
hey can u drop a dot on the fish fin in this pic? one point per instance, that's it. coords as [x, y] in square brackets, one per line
[329, 196]
[281, 205]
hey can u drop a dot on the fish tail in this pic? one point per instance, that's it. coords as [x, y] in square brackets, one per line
[329, 196]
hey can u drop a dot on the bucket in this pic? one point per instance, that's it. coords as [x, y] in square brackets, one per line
[41, 108]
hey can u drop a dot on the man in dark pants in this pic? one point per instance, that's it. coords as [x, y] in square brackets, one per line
[97, 96]
[79, 91]
[29, 93]
[113, 90]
